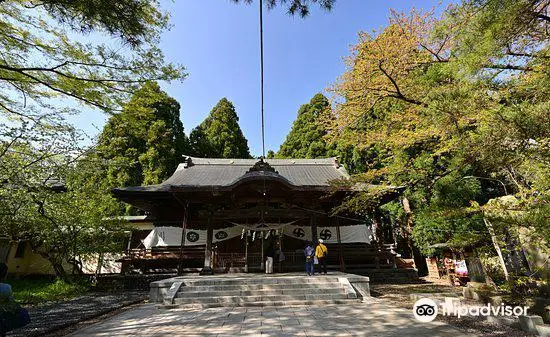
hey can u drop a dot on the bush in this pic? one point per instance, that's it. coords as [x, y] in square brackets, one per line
[525, 286]
[493, 269]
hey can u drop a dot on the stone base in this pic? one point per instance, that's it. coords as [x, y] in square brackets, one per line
[206, 271]
[529, 323]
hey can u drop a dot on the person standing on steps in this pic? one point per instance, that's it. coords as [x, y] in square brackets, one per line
[269, 259]
[309, 253]
[321, 252]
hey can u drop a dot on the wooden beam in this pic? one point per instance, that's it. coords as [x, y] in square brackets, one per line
[313, 224]
[207, 269]
[340, 251]
[183, 230]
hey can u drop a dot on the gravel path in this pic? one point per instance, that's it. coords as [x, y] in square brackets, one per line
[54, 316]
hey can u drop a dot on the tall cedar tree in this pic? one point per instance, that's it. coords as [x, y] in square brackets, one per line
[219, 135]
[143, 144]
[306, 138]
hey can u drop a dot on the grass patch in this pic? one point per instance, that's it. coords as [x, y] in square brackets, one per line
[38, 290]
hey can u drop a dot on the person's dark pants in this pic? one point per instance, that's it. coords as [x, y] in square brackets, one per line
[322, 265]
[309, 267]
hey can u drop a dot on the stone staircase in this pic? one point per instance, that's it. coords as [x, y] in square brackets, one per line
[260, 291]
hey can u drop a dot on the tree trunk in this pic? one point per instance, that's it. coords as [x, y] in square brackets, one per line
[418, 259]
[60, 271]
[57, 266]
[494, 238]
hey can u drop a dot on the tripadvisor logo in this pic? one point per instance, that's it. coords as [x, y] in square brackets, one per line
[425, 310]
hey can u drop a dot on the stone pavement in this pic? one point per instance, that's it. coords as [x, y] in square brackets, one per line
[372, 318]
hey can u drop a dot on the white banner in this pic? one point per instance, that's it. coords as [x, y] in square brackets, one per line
[171, 236]
[298, 232]
[348, 234]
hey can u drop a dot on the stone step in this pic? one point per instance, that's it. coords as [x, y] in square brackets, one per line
[274, 280]
[262, 304]
[244, 287]
[261, 292]
[233, 300]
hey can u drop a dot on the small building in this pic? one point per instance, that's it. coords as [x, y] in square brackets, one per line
[21, 260]
[225, 214]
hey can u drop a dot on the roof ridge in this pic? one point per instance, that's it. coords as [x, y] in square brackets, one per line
[248, 161]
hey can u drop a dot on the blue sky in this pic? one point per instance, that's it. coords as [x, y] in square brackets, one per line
[218, 42]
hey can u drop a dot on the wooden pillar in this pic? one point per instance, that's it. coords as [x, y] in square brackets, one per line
[246, 252]
[262, 264]
[380, 227]
[340, 250]
[207, 269]
[183, 230]
[280, 240]
[313, 224]
[129, 242]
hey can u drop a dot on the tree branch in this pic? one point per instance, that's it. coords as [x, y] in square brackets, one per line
[508, 67]
[398, 94]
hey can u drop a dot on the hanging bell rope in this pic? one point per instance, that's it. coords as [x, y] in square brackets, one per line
[262, 74]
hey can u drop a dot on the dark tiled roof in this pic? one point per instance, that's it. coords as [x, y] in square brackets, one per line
[209, 172]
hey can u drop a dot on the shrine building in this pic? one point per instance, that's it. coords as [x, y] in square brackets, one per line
[224, 215]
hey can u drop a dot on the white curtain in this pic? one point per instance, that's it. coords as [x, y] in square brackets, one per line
[171, 236]
[348, 234]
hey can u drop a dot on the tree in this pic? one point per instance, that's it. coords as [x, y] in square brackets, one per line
[42, 62]
[45, 74]
[145, 142]
[296, 6]
[219, 135]
[435, 100]
[306, 138]
[56, 208]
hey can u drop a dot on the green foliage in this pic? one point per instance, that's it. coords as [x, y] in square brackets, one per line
[133, 20]
[455, 232]
[306, 138]
[353, 158]
[44, 70]
[496, 35]
[296, 6]
[493, 268]
[33, 291]
[57, 209]
[525, 286]
[50, 68]
[456, 110]
[145, 142]
[219, 135]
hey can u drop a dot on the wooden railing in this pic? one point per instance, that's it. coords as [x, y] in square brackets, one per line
[163, 253]
[374, 257]
[354, 255]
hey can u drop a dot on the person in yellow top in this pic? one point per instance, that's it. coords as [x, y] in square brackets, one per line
[321, 252]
